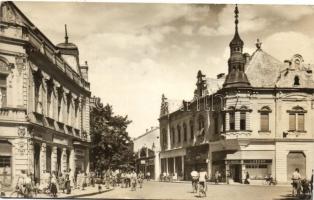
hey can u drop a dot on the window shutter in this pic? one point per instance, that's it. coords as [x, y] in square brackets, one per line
[264, 122]
[292, 122]
[301, 122]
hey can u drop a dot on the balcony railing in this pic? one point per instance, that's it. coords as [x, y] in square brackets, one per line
[235, 134]
[12, 114]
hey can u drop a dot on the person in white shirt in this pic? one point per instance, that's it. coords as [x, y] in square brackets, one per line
[296, 182]
[195, 177]
[202, 182]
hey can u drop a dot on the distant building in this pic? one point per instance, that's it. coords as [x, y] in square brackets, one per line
[44, 101]
[147, 148]
[257, 119]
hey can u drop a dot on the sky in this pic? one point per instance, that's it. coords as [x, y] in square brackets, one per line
[136, 52]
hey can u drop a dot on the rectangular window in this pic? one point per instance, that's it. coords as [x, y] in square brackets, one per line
[192, 131]
[292, 118]
[242, 121]
[264, 121]
[179, 135]
[231, 121]
[300, 122]
[216, 125]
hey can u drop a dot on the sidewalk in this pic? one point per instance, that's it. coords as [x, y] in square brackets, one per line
[74, 194]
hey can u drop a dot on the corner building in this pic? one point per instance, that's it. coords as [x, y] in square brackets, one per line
[257, 119]
[44, 101]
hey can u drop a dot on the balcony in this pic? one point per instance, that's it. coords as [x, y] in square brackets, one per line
[12, 115]
[236, 134]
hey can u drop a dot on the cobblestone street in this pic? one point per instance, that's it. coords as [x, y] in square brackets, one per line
[161, 190]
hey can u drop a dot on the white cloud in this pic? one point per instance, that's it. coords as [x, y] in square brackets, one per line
[284, 45]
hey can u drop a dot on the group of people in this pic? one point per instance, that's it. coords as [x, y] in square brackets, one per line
[52, 182]
[122, 178]
[199, 181]
[300, 184]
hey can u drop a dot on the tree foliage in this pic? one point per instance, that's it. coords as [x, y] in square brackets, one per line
[111, 144]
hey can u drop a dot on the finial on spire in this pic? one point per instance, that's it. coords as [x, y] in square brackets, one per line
[258, 44]
[66, 34]
[236, 16]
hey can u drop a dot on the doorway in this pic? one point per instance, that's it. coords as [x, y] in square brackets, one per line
[37, 163]
[296, 160]
[236, 173]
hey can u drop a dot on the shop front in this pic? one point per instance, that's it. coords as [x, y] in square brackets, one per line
[5, 164]
[196, 159]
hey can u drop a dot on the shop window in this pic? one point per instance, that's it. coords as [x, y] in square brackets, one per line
[185, 134]
[297, 119]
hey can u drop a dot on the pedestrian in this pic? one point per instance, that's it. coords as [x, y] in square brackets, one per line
[53, 186]
[128, 179]
[296, 182]
[202, 182]
[164, 176]
[247, 178]
[195, 177]
[217, 176]
[140, 178]
[133, 177]
[148, 176]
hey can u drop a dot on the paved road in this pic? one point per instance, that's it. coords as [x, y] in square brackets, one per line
[158, 190]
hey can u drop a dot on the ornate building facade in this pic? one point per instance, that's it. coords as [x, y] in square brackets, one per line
[147, 149]
[45, 94]
[257, 119]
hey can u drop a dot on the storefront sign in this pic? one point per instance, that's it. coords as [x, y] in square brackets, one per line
[257, 161]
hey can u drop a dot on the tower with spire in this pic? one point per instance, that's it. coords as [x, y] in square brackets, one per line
[236, 64]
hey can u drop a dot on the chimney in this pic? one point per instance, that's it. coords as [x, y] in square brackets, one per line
[84, 71]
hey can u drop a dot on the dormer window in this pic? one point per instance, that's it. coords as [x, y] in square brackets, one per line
[296, 81]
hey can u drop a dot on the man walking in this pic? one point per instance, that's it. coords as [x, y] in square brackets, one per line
[195, 177]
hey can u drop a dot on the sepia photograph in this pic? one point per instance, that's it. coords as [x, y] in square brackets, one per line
[156, 100]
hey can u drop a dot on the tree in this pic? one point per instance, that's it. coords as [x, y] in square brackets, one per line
[110, 142]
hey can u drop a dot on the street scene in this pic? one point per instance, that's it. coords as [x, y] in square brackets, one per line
[156, 101]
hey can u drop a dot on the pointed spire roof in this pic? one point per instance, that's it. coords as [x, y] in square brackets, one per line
[236, 41]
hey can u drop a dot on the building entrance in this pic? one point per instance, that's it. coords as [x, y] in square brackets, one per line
[296, 160]
[236, 173]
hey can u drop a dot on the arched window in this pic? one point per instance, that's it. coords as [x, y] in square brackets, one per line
[179, 133]
[38, 91]
[60, 97]
[4, 72]
[297, 119]
[232, 119]
[49, 97]
[296, 81]
[185, 134]
[264, 118]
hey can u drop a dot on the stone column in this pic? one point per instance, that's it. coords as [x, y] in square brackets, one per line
[30, 155]
[243, 171]
[87, 160]
[54, 159]
[227, 121]
[43, 159]
[237, 120]
[64, 157]
[182, 161]
[72, 161]
[174, 165]
[157, 165]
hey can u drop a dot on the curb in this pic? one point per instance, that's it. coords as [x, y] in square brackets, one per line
[84, 195]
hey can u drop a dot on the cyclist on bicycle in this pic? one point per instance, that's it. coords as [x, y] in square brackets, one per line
[195, 177]
[202, 182]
